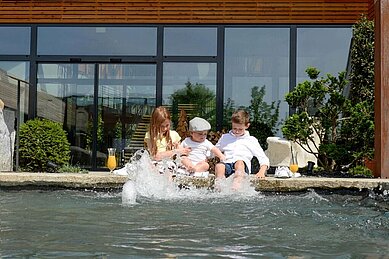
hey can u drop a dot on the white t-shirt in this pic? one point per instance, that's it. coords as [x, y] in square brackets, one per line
[241, 148]
[199, 150]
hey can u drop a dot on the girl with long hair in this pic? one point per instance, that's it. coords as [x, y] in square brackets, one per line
[160, 140]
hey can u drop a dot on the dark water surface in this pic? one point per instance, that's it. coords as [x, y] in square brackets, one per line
[75, 224]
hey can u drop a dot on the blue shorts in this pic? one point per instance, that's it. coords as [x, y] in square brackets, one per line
[230, 168]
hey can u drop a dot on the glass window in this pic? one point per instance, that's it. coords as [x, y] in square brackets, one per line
[126, 100]
[139, 41]
[327, 49]
[14, 41]
[256, 57]
[13, 86]
[190, 87]
[190, 42]
[65, 95]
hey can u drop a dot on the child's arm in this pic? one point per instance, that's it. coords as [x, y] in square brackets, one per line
[218, 153]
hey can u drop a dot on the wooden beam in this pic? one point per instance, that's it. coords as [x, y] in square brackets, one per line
[381, 69]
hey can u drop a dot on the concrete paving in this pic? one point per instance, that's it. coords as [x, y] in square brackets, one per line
[107, 181]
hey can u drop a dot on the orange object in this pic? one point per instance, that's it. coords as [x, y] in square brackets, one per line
[294, 168]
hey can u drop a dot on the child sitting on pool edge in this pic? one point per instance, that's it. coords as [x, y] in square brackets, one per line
[200, 147]
[239, 148]
[161, 141]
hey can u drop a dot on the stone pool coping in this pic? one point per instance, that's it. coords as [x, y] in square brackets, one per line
[106, 181]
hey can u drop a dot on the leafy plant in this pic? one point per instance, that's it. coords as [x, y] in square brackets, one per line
[67, 168]
[362, 62]
[264, 116]
[198, 94]
[360, 170]
[41, 142]
[228, 110]
[100, 132]
[358, 126]
[319, 103]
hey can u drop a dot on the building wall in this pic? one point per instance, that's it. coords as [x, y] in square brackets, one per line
[184, 11]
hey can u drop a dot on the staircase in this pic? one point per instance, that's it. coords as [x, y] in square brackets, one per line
[137, 139]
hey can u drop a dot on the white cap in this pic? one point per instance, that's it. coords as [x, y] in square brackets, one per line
[199, 124]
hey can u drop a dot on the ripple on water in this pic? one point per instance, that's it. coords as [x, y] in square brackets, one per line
[191, 223]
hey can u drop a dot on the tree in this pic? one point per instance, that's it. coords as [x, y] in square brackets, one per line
[358, 129]
[264, 116]
[319, 104]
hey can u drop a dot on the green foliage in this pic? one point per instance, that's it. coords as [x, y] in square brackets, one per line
[358, 125]
[198, 94]
[42, 141]
[67, 168]
[100, 132]
[357, 131]
[362, 62]
[228, 110]
[345, 124]
[360, 170]
[319, 103]
[264, 116]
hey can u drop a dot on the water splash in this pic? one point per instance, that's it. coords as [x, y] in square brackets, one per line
[145, 181]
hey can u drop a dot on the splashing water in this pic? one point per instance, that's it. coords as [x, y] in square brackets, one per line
[145, 181]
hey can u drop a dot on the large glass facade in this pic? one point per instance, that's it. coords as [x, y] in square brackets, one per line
[126, 98]
[187, 41]
[102, 82]
[191, 87]
[256, 58]
[66, 95]
[326, 49]
[107, 41]
[15, 40]
[14, 93]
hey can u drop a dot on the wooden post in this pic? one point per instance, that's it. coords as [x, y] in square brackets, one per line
[381, 68]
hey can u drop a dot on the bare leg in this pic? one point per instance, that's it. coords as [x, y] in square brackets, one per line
[239, 175]
[220, 170]
[188, 164]
[201, 167]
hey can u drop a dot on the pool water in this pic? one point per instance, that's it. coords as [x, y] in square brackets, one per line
[192, 224]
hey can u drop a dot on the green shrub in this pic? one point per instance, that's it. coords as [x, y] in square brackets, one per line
[360, 170]
[42, 141]
[72, 169]
[263, 116]
[319, 102]
[358, 125]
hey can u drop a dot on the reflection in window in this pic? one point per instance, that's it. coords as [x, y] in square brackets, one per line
[191, 87]
[256, 57]
[190, 42]
[326, 49]
[14, 91]
[15, 41]
[139, 41]
[126, 100]
[65, 95]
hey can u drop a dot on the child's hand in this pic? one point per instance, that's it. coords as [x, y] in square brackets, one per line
[260, 175]
[183, 150]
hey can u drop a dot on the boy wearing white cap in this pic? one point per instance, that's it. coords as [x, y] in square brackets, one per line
[200, 146]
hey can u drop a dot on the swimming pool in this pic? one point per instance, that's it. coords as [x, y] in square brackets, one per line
[192, 224]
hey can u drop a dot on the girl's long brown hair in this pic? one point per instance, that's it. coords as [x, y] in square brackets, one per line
[159, 116]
